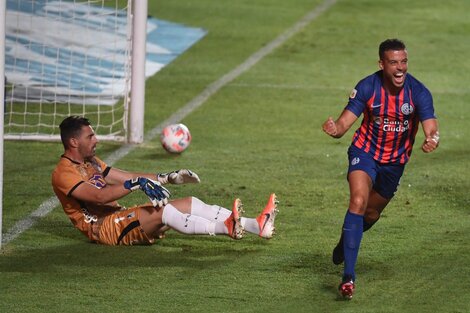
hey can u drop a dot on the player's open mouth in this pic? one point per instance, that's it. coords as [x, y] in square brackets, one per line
[399, 78]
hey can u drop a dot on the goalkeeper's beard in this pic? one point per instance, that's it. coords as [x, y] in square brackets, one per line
[89, 156]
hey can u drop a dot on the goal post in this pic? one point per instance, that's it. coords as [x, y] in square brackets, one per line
[2, 97]
[82, 57]
[136, 113]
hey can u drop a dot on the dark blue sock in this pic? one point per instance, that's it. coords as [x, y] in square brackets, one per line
[352, 229]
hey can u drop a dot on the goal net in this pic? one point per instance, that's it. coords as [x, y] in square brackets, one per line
[67, 58]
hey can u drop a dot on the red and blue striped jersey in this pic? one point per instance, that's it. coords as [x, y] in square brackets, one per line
[390, 122]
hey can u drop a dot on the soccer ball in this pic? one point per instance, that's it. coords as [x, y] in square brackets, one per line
[175, 138]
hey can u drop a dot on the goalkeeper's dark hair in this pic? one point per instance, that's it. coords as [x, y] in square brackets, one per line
[390, 44]
[71, 127]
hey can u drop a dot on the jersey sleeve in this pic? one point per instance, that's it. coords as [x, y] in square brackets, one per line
[66, 180]
[424, 104]
[359, 97]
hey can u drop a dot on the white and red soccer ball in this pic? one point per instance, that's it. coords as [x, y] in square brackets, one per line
[175, 138]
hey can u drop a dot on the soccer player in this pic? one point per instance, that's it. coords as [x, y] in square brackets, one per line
[392, 103]
[88, 189]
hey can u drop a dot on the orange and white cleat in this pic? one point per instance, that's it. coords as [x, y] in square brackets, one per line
[267, 217]
[235, 228]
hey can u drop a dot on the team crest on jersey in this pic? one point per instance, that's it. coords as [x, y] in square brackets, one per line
[406, 108]
[98, 181]
[355, 161]
[353, 94]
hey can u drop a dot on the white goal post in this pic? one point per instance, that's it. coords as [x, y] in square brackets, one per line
[2, 97]
[80, 57]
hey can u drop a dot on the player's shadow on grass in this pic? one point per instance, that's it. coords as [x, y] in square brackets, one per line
[368, 267]
[60, 245]
[54, 259]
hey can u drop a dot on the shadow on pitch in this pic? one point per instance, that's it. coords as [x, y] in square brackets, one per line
[65, 247]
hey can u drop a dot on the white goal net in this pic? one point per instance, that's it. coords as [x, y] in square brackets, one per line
[63, 58]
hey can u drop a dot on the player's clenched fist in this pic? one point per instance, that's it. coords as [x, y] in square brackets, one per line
[330, 128]
[431, 143]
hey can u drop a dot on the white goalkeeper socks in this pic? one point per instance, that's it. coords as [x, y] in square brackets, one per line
[190, 223]
[250, 225]
[213, 213]
[217, 213]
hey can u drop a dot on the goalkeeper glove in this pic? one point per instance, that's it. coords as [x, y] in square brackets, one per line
[157, 194]
[183, 176]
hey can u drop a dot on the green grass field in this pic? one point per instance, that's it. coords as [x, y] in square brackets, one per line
[259, 134]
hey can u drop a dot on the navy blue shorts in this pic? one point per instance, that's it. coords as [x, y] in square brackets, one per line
[385, 177]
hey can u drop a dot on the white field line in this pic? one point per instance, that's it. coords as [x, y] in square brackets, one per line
[47, 206]
[289, 86]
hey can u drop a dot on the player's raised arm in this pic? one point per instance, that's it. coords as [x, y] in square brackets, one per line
[338, 128]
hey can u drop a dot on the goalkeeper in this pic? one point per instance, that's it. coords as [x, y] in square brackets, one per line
[88, 189]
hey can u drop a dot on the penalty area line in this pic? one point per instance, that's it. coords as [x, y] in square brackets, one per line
[48, 205]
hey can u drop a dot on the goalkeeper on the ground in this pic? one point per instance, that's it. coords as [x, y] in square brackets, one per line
[88, 189]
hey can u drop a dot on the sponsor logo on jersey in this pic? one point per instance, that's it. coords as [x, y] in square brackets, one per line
[88, 217]
[395, 126]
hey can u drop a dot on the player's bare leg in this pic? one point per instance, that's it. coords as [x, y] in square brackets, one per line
[375, 206]
[150, 219]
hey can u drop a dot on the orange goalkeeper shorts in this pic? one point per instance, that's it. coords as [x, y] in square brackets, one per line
[122, 228]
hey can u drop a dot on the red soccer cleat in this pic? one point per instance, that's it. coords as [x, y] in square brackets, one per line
[346, 289]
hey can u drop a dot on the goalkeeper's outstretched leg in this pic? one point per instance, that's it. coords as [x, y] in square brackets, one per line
[262, 225]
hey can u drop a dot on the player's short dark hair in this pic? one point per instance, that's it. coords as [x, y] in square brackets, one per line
[71, 127]
[390, 44]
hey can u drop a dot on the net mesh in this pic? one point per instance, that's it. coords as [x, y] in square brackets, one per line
[66, 58]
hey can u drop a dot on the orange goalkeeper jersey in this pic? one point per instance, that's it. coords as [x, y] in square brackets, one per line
[67, 176]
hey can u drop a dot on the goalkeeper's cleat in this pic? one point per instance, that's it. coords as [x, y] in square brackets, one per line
[346, 288]
[338, 253]
[266, 218]
[233, 224]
